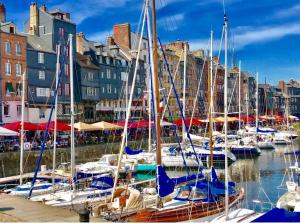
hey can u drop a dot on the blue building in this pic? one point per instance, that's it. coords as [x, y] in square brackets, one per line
[45, 30]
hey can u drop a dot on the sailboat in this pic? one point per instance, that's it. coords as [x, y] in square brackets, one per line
[201, 199]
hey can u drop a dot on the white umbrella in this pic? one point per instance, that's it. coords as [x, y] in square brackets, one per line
[7, 132]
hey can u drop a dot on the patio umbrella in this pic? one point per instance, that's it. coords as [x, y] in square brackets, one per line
[7, 132]
[81, 126]
[16, 126]
[106, 126]
[61, 127]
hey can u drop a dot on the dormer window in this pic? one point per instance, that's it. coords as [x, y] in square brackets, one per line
[11, 29]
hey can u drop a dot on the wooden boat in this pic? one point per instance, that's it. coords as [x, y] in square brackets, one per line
[186, 211]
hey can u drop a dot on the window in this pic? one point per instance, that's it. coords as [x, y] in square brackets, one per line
[115, 76]
[59, 90]
[6, 110]
[90, 76]
[7, 47]
[145, 46]
[67, 70]
[67, 89]
[102, 74]
[108, 74]
[41, 113]
[40, 57]
[8, 68]
[19, 110]
[90, 91]
[42, 75]
[115, 90]
[109, 88]
[61, 32]
[18, 49]
[18, 69]
[42, 92]
[19, 89]
[103, 89]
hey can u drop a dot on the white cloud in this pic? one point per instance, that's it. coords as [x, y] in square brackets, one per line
[244, 36]
[171, 22]
[83, 9]
[289, 12]
[99, 36]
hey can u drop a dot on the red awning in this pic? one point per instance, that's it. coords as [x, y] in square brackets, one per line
[195, 121]
[61, 127]
[249, 119]
[16, 126]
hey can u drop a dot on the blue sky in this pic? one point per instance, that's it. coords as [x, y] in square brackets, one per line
[265, 34]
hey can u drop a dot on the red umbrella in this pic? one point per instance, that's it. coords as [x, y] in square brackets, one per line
[195, 121]
[61, 127]
[16, 126]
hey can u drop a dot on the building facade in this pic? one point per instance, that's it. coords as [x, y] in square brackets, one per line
[13, 63]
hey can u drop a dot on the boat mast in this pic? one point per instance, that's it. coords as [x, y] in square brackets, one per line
[256, 118]
[240, 95]
[226, 115]
[22, 128]
[210, 98]
[55, 114]
[184, 89]
[150, 74]
[72, 110]
[156, 92]
[126, 102]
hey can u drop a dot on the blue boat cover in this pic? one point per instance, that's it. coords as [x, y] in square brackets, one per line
[266, 131]
[102, 183]
[180, 180]
[279, 215]
[129, 151]
[164, 185]
[293, 153]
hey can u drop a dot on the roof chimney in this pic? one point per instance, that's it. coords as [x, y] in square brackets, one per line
[2, 13]
[80, 43]
[122, 35]
[110, 41]
[34, 19]
[43, 8]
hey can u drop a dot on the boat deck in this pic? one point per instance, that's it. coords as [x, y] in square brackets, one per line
[16, 209]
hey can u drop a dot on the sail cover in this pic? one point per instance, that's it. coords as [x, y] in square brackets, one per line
[164, 185]
[102, 183]
[129, 151]
[279, 215]
[266, 130]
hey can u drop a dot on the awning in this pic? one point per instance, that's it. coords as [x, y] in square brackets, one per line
[81, 126]
[106, 126]
[188, 121]
[61, 127]
[7, 132]
[16, 126]
[10, 87]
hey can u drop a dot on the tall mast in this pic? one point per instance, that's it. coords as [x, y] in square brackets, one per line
[150, 73]
[184, 89]
[22, 128]
[55, 114]
[210, 98]
[256, 118]
[156, 85]
[226, 115]
[266, 96]
[240, 95]
[72, 108]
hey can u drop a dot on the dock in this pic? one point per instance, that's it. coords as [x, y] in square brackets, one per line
[18, 209]
[44, 174]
